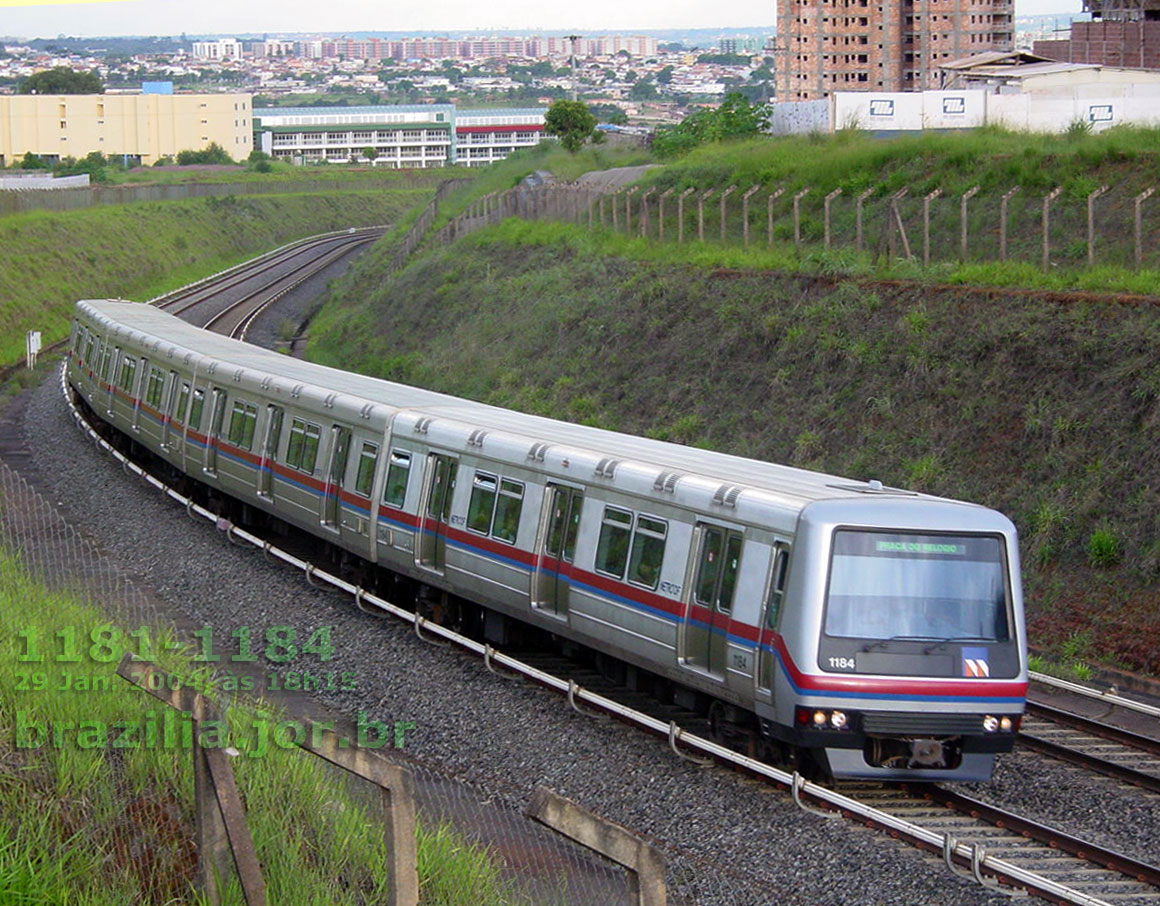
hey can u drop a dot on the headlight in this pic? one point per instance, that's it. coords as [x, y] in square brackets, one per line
[819, 718]
[1005, 724]
[838, 720]
[990, 723]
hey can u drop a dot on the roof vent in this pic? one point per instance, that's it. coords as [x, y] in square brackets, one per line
[296, 391]
[727, 495]
[476, 438]
[667, 481]
[606, 468]
[422, 424]
[538, 450]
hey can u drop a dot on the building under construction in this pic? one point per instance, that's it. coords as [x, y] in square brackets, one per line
[881, 45]
[1121, 33]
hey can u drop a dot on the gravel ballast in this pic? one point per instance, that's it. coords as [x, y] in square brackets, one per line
[506, 737]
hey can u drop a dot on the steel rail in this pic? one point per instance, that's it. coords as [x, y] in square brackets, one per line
[1109, 697]
[1056, 839]
[1096, 728]
[265, 260]
[967, 855]
[1090, 762]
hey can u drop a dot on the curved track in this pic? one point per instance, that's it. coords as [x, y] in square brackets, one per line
[984, 843]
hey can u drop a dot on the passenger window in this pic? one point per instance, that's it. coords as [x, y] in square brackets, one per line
[302, 449]
[106, 364]
[612, 548]
[243, 419]
[156, 386]
[777, 587]
[89, 350]
[367, 460]
[507, 511]
[128, 373]
[482, 504]
[182, 403]
[648, 551]
[395, 492]
[195, 409]
[710, 566]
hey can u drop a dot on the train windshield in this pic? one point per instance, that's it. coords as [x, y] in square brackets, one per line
[887, 586]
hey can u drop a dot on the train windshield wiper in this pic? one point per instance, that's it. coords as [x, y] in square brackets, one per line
[942, 643]
[882, 643]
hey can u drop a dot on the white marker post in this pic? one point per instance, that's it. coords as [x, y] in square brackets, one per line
[32, 347]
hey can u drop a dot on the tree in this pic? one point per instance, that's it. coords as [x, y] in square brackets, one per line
[371, 153]
[33, 162]
[643, 90]
[665, 76]
[572, 121]
[735, 118]
[212, 154]
[61, 80]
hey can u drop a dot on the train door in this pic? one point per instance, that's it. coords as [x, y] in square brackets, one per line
[437, 494]
[708, 614]
[274, 416]
[136, 390]
[168, 412]
[339, 454]
[110, 365]
[770, 614]
[217, 414]
[551, 582]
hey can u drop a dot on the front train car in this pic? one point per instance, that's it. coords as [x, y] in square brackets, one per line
[902, 645]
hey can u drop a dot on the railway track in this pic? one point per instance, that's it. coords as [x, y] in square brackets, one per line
[990, 846]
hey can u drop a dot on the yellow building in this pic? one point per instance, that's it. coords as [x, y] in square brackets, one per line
[140, 127]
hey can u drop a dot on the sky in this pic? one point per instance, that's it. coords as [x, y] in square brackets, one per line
[174, 17]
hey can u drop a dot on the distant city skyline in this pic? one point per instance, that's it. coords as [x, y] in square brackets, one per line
[170, 17]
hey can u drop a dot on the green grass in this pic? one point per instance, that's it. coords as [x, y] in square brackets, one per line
[49, 260]
[1037, 405]
[104, 826]
[991, 158]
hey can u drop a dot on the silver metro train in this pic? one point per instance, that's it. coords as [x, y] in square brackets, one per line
[877, 632]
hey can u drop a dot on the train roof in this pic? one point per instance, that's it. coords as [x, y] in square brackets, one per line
[788, 485]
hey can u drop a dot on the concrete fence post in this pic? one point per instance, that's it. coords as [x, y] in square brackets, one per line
[1047, 200]
[1138, 204]
[644, 212]
[615, 204]
[701, 199]
[745, 214]
[645, 864]
[826, 216]
[661, 213]
[681, 214]
[894, 222]
[1007, 196]
[725, 195]
[769, 215]
[930, 196]
[967, 196]
[861, 200]
[797, 217]
[628, 210]
[1091, 224]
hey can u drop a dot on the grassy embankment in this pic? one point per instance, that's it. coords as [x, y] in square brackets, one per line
[88, 823]
[1127, 160]
[49, 260]
[1045, 409]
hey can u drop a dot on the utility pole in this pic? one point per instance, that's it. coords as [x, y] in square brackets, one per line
[574, 39]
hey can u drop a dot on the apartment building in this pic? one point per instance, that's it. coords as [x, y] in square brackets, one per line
[139, 128]
[825, 46]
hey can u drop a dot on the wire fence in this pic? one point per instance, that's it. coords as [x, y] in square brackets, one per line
[1117, 225]
[532, 865]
